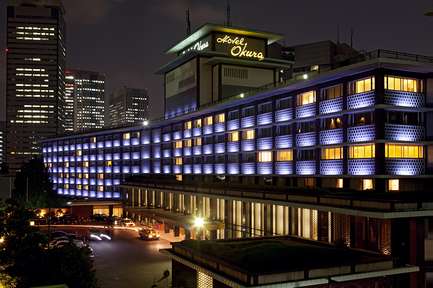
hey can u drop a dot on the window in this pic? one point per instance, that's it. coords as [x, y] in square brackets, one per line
[265, 107]
[126, 136]
[178, 161]
[361, 151]
[332, 92]
[306, 98]
[208, 120]
[248, 134]
[264, 132]
[393, 185]
[284, 130]
[339, 183]
[234, 136]
[93, 140]
[284, 103]
[367, 184]
[332, 123]
[403, 151]
[188, 125]
[305, 155]
[361, 86]
[264, 156]
[178, 144]
[101, 176]
[305, 127]
[404, 118]
[249, 111]
[197, 123]
[403, 84]
[109, 163]
[232, 115]
[285, 155]
[179, 177]
[220, 118]
[334, 153]
[187, 143]
[197, 141]
[86, 164]
[360, 119]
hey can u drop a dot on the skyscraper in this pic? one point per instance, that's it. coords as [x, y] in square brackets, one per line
[85, 103]
[128, 106]
[35, 76]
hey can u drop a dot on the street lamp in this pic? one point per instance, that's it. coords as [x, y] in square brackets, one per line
[145, 123]
[198, 222]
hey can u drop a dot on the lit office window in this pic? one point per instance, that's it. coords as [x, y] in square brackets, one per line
[404, 151]
[178, 161]
[197, 141]
[197, 123]
[187, 143]
[188, 125]
[367, 184]
[339, 183]
[93, 140]
[208, 120]
[234, 136]
[86, 175]
[101, 176]
[109, 163]
[264, 156]
[220, 118]
[403, 84]
[306, 98]
[178, 144]
[86, 164]
[79, 153]
[393, 185]
[361, 151]
[361, 86]
[248, 134]
[333, 92]
[332, 153]
[126, 136]
[285, 155]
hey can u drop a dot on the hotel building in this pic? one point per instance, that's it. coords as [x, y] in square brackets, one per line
[343, 156]
[35, 77]
[128, 107]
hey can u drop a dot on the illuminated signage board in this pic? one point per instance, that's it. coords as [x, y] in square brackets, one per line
[198, 46]
[241, 47]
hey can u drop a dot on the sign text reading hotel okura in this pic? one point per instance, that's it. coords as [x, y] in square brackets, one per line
[240, 47]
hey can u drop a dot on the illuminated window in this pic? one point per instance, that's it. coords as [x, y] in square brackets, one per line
[220, 118]
[285, 155]
[86, 164]
[93, 140]
[332, 153]
[306, 98]
[188, 125]
[109, 163]
[197, 123]
[264, 156]
[179, 177]
[79, 153]
[367, 184]
[361, 151]
[332, 92]
[234, 136]
[187, 143]
[208, 120]
[86, 187]
[361, 86]
[86, 175]
[101, 188]
[404, 151]
[339, 183]
[178, 161]
[101, 176]
[178, 144]
[393, 185]
[197, 141]
[248, 134]
[79, 186]
[66, 186]
[126, 136]
[403, 84]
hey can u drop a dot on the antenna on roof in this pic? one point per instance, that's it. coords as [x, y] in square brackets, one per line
[188, 23]
[351, 36]
[228, 23]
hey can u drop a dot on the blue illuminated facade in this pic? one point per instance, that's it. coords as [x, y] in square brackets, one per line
[276, 136]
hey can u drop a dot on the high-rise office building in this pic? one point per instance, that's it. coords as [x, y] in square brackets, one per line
[35, 76]
[128, 106]
[85, 100]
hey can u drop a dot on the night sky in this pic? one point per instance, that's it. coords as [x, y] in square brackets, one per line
[126, 39]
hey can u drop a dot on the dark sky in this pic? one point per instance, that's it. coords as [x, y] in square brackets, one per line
[126, 39]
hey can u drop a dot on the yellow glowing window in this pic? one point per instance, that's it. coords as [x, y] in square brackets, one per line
[126, 136]
[86, 164]
[208, 120]
[79, 186]
[86, 187]
[332, 153]
[285, 155]
[403, 151]
[187, 143]
[109, 163]
[66, 164]
[179, 177]
[197, 141]
[79, 153]
[101, 176]
[393, 185]
[86, 175]
[80, 175]
[66, 185]
[178, 160]
[367, 184]
[188, 125]
[234, 136]
[362, 151]
[220, 118]
[306, 98]
[248, 134]
[362, 85]
[93, 140]
[197, 123]
[264, 156]
[339, 183]
[178, 144]
[101, 188]
[403, 84]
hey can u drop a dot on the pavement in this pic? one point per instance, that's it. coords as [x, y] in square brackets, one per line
[129, 262]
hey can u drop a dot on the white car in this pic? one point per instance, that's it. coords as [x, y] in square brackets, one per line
[128, 222]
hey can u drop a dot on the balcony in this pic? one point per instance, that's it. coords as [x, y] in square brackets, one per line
[284, 141]
[232, 125]
[248, 168]
[404, 99]
[363, 133]
[361, 100]
[331, 106]
[248, 121]
[248, 145]
[233, 168]
[284, 168]
[232, 146]
[208, 168]
[264, 143]
[361, 167]
[331, 167]
[207, 130]
[306, 139]
[264, 168]
[398, 132]
[196, 131]
[264, 119]
[329, 137]
[284, 115]
[307, 167]
[404, 167]
[307, 110]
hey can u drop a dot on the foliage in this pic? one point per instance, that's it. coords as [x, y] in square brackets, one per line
[33, 187]
[27, 259]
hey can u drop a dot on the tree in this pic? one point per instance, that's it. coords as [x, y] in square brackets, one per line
[33, 187]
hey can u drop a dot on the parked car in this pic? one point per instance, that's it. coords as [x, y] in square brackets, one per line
[127, 222]
[148, 234]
